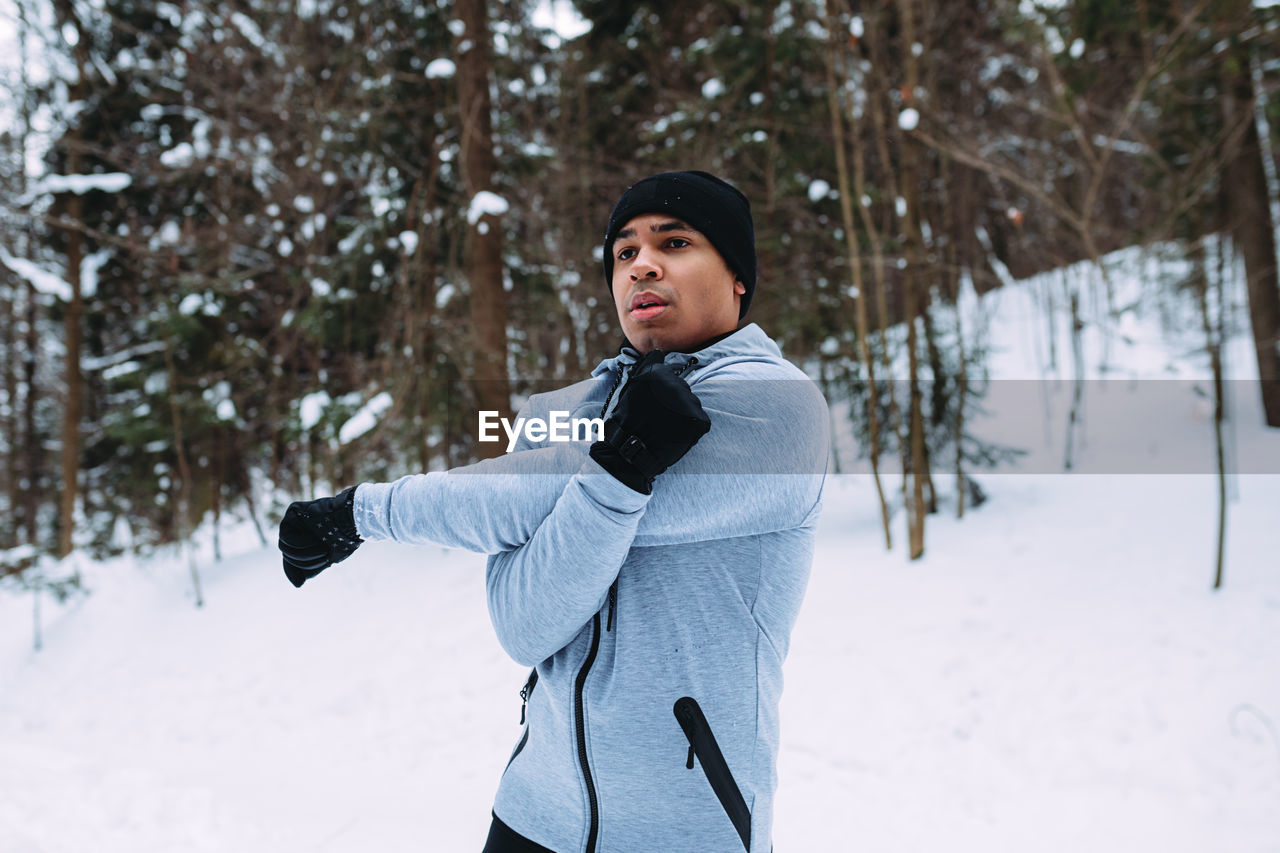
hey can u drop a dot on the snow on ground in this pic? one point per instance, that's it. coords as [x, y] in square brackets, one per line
[1055, 675]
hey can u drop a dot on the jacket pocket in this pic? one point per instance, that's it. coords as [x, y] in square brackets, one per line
[702, 743]
[525, 693]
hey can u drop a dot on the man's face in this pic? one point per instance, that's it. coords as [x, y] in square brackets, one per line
[671, 287]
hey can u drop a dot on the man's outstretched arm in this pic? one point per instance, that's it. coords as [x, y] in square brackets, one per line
[759, 470]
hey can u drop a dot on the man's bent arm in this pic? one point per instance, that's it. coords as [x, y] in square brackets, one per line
[542, 593]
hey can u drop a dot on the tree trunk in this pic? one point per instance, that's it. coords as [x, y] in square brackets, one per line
[483, 259]
[13, 496]
[879, 235]
[73, 380]
[912, 292]
[1213, 344]
[1077, 387]
[33, 452]
[847, 194]
[183, 513]
[1244, 189]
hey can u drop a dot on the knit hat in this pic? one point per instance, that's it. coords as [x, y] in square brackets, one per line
[715, 208]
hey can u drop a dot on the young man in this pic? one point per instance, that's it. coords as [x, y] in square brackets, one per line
[656, 609]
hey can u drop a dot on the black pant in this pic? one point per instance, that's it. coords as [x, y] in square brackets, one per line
[504, 839]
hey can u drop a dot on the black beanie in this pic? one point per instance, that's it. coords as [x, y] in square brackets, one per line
[714, 207]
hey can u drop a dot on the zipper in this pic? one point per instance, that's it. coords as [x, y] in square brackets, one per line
[592, 802]
[525, 693]
[613, 587]
[702, 743]
[688, 365]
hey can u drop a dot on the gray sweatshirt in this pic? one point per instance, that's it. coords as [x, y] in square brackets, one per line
[657, 624]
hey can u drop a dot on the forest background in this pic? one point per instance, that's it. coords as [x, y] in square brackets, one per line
[251, 251]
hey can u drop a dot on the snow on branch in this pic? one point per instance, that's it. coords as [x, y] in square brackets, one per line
[41, 279]
[110, 182]
[486, 203]
[365, 419]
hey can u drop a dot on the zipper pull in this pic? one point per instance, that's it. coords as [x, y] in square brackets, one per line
[525, 692]
[613, 603]
[689, 764]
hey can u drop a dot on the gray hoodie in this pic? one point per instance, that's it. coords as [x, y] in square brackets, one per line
[657, 624]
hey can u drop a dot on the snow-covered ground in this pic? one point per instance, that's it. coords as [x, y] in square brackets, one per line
[1055, 675]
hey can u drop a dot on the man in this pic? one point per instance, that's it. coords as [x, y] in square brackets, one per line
[656, 609]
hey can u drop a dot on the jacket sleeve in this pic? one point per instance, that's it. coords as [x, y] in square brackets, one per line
[542, 593]
[758, 470]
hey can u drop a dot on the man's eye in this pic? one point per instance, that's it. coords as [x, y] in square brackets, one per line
[625, 254]
[677, 242]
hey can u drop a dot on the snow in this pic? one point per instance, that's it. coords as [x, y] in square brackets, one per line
[365, 419]
[108, 182]
[312, 408]
[1054, 675]
[409, 240]
[249, 29]
[909, 119]
[91, 363]
[486, 203]
[713, 88]
[818, 190]
[1125, 146]
[444, 294]
[18, 554]
[191, 303]
[90, 266]
[41, 279]
[562, 17]
[118, 370]
[169, 234]
[180, 156]
[439, 69]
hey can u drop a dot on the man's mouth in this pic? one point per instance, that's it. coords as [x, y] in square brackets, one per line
[646, 305]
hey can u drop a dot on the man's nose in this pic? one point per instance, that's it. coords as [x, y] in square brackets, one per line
[645, 265]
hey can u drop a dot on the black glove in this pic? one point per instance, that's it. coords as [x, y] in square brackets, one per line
[316, 534]
[657, 420]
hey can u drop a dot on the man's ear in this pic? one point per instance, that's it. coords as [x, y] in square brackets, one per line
[739, 288]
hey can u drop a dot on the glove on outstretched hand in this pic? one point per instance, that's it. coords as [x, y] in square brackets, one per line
[657, 420]
[316, 534]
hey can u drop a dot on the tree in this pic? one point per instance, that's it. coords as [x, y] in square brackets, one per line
[1247, 202]
[483, 263]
